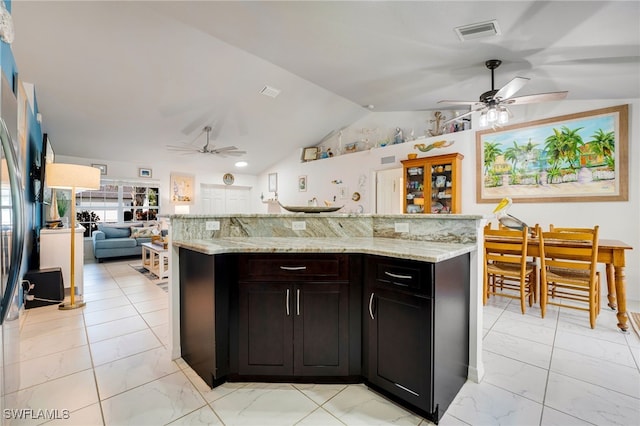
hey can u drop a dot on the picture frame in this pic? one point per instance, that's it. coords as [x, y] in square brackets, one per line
[102, 167]
[579, 157]
[302, 183]
[273, 182]
[145, 173]
[310, 153]
[182, 189]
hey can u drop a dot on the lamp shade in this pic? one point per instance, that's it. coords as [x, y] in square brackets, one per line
[72, 176]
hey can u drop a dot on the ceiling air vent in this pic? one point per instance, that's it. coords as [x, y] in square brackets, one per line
[479, 30]
[272, 92]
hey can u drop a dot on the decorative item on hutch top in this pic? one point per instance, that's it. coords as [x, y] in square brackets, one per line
[433, 184]
[576, 157]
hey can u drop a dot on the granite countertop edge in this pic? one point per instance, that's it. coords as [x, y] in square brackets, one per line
[428, 251]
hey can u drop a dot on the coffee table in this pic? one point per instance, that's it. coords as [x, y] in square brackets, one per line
[155, 259]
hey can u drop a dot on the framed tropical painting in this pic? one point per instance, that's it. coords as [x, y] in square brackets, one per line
[576, 157]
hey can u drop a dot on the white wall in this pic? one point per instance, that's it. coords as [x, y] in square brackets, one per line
[618, 220]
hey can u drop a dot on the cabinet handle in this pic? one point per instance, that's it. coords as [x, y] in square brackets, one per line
[402, 277]
[371, 305]
[406, 389]
[287, 303]
[298, 302]
[293, 268]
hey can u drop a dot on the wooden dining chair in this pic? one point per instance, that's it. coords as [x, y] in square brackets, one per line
[507, 270]
[568, 270]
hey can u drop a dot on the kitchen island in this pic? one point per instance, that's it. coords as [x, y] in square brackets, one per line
[332, 295]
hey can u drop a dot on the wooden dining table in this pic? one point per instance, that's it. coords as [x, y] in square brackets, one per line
[612, 254]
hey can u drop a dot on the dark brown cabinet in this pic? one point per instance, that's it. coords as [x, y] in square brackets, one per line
[205, 283]
[293, 316]
[416, 330]
[305, 317]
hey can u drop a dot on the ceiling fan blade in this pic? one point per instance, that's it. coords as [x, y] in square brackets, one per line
[180, 148]
[226, 154]
[226, 148]
[451, 120]
[540, 97]
[460, 102]
[230, 152]
[511, 88]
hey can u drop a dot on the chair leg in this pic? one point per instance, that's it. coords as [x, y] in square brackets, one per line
[485, 288]
[543, 298]
[592, 309]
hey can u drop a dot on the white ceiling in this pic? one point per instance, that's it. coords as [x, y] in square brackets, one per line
[121, 80]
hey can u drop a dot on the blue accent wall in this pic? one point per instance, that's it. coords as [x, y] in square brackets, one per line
[33, 210]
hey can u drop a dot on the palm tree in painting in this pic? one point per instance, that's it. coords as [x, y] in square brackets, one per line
[528, 151]
[564, 145]
[604, 144]
[513, 154]
[491, 152]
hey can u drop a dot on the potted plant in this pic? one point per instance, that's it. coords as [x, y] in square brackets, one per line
[63, 205]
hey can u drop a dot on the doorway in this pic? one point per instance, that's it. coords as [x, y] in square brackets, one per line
[389, 191]
[220, 199]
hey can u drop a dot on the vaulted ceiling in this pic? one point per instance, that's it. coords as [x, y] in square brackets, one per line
[121, 80]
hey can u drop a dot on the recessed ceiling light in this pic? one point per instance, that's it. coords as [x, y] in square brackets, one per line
[478, 30]
[272, 92]
[242, 164]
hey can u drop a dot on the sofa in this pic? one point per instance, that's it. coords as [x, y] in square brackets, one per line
[121, 240]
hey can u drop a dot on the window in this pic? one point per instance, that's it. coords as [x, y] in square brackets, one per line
[117, 202]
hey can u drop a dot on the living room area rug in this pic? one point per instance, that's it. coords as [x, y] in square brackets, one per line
[163, 283]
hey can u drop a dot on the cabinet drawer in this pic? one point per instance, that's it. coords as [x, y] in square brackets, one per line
[294, 267]
[410, 276]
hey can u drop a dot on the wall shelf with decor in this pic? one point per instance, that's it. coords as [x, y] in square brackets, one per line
[432, 184]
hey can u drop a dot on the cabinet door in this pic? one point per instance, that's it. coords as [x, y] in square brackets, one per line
[444, 171]
[321, 329]
[400, 343]
[265, 329]
[414, 178]
[442, 187]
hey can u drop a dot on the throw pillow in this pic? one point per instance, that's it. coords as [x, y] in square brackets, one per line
[143, 232]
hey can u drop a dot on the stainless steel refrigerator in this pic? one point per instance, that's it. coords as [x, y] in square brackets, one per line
[11, 245]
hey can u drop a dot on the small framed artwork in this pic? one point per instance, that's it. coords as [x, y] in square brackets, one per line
[273, 182]
[182, 189]
[310, 154]
[144, 173]
[102, 167]
[302, 183]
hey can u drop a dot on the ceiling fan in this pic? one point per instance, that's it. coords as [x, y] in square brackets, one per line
[493, 103]
[207, 149]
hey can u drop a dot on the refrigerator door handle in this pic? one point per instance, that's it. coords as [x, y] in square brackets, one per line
[17, 221]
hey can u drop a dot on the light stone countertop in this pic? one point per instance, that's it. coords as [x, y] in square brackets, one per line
[426, 251]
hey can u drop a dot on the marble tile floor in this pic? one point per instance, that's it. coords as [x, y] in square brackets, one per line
[108, 364]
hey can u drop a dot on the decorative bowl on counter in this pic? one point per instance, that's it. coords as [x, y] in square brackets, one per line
[311, 209]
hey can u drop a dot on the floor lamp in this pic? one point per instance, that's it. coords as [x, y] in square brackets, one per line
[75, 178]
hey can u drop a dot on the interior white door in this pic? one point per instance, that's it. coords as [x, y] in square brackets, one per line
[389, 191]
[217, 199]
